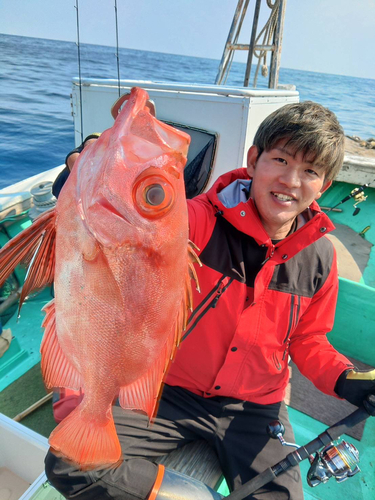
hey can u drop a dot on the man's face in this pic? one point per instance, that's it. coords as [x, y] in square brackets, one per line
[284, 185]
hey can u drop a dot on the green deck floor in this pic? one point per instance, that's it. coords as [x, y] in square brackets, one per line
[24, 392]
[24, 352]
[363, 222]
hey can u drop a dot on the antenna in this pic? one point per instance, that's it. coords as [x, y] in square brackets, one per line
[79, 70]
[117, 54]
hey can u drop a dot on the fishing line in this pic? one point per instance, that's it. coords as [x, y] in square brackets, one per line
[79, 71]
[117, 54]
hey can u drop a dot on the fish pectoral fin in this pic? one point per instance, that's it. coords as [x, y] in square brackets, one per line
[34, 246]
[85, 441]
[144, 393]
[57, 370]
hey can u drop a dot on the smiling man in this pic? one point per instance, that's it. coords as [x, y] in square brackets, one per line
[268, 291]
[284, 184]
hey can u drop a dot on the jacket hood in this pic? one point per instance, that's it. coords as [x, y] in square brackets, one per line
[244, 216]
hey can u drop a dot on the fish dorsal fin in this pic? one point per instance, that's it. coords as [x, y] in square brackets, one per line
[144, 393]
[57, 370]
[35, 246]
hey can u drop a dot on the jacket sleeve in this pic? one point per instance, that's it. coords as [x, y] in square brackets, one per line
[201, 220]
[310, 349]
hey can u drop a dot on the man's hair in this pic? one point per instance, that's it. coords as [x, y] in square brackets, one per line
[307, 127]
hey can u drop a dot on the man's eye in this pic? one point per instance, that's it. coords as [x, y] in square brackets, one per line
[311, 171]
[281, 160]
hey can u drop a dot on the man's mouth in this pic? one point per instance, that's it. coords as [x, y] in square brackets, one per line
[283, 197]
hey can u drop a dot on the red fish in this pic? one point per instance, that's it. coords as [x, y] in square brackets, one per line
[117, 249]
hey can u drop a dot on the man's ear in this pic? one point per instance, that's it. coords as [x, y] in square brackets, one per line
[324, 188]
[252, 156]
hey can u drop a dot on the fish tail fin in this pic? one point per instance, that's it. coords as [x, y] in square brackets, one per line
[35, 246]
[86, 441]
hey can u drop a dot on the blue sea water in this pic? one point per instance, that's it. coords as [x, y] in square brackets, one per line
[36, 126]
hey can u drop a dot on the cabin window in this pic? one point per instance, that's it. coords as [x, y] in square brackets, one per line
[200, 158]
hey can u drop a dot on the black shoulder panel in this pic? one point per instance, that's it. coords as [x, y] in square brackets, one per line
[306, 272]
[233, 253]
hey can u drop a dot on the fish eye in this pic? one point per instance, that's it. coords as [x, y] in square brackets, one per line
[154, 194]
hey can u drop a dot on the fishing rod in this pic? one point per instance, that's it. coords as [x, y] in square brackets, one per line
[79, 69]
[338, 461]
[357, 194]
[117, 50]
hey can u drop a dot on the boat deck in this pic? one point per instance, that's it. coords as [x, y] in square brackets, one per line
[21, 383]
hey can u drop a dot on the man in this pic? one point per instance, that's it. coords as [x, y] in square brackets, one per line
[70, 159]
[269, 287]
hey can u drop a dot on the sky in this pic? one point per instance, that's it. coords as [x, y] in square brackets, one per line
[327, 36]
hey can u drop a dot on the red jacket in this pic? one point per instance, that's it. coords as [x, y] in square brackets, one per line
[240, 347]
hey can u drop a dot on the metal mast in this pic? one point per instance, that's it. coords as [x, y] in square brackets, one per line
[268, 40]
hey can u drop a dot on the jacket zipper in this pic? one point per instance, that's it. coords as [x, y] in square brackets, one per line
[216, 292]
[276, 361]
[293, 320]
[272, 251]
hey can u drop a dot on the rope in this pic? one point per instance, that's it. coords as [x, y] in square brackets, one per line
[268, 30]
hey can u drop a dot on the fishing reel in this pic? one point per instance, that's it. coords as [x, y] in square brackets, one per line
[359, 196]
[338, 461]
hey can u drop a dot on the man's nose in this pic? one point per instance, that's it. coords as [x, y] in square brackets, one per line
[291, 178]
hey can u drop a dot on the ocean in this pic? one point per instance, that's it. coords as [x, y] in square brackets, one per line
[36, 126]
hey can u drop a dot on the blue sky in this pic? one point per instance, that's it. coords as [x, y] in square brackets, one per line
[329, 36]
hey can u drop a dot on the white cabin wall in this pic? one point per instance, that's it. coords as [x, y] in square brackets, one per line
[233, 114]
